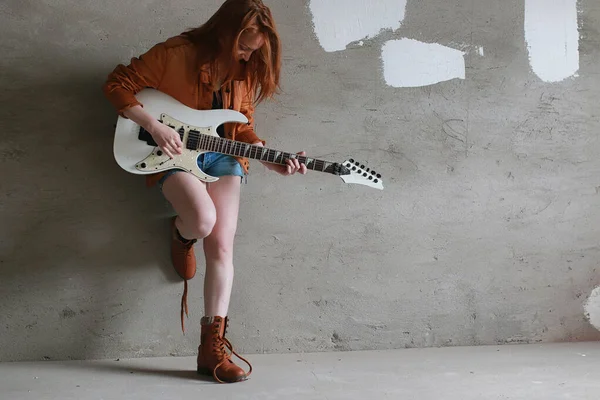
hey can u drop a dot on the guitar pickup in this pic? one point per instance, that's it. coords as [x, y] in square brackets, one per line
[193, 139]
[145, 136]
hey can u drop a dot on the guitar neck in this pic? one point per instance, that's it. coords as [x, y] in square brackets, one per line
[241, 149]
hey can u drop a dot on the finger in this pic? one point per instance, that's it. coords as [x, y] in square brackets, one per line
[176, 147]
[303, 169]
[292, 167]
[178, 142]
[177, 137]
[167, 151]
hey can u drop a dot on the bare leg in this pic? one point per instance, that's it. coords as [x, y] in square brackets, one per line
[218, 246]
[196, 213]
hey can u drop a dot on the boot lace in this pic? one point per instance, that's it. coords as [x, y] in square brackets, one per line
[185, 247]
[220, 347]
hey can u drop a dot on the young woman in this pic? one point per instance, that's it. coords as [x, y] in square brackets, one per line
[232, 61]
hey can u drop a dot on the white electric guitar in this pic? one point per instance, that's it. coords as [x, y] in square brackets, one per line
[136, 152]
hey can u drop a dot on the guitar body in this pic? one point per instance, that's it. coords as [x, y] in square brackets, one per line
[139, 157]
[136, 152]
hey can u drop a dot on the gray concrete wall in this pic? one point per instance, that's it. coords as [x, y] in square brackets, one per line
[487, 230]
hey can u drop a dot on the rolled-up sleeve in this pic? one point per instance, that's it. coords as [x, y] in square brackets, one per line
[142, 72]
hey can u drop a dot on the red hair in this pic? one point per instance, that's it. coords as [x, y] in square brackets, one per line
[219, 40]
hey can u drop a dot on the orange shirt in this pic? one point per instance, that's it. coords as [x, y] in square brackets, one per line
[172, 68]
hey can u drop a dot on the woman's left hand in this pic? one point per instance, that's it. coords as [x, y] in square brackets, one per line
[292, 166]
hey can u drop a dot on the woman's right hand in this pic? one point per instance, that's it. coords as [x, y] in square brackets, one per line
[166, 138]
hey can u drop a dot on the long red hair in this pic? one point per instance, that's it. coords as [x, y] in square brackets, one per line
[219, 40]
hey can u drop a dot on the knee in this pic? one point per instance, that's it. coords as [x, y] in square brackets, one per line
[219, 250]
[201, 226]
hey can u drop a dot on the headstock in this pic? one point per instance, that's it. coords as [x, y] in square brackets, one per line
[352, 171]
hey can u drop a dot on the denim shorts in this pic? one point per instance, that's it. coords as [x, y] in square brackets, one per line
[214, 164]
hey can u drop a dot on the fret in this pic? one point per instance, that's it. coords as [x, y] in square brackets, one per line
[201, 141]
[287, 156]
[225, 146]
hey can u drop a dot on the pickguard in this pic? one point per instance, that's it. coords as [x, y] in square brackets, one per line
[158, 161]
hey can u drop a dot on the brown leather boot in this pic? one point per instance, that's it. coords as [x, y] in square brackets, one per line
[182, 254]
[213, 358]
[184, 262]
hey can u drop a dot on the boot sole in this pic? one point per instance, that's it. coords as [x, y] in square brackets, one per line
[208, 372]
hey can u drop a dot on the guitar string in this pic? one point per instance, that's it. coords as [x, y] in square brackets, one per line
[237, 148]
[227, 146]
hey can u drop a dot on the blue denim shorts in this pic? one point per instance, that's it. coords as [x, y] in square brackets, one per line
[214, 164]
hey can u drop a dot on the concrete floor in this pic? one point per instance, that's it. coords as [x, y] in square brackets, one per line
[549, 371]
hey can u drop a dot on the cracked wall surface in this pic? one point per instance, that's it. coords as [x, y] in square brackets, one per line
[486, 231]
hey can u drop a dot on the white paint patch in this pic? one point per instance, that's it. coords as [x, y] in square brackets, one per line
[592, 308]
[481, 52]
[340, 22]
[410, 63]
[552, 38]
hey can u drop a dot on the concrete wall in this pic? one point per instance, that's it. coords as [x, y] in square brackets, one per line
[486, 232]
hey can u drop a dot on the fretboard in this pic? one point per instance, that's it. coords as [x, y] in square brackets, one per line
[198, 141]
